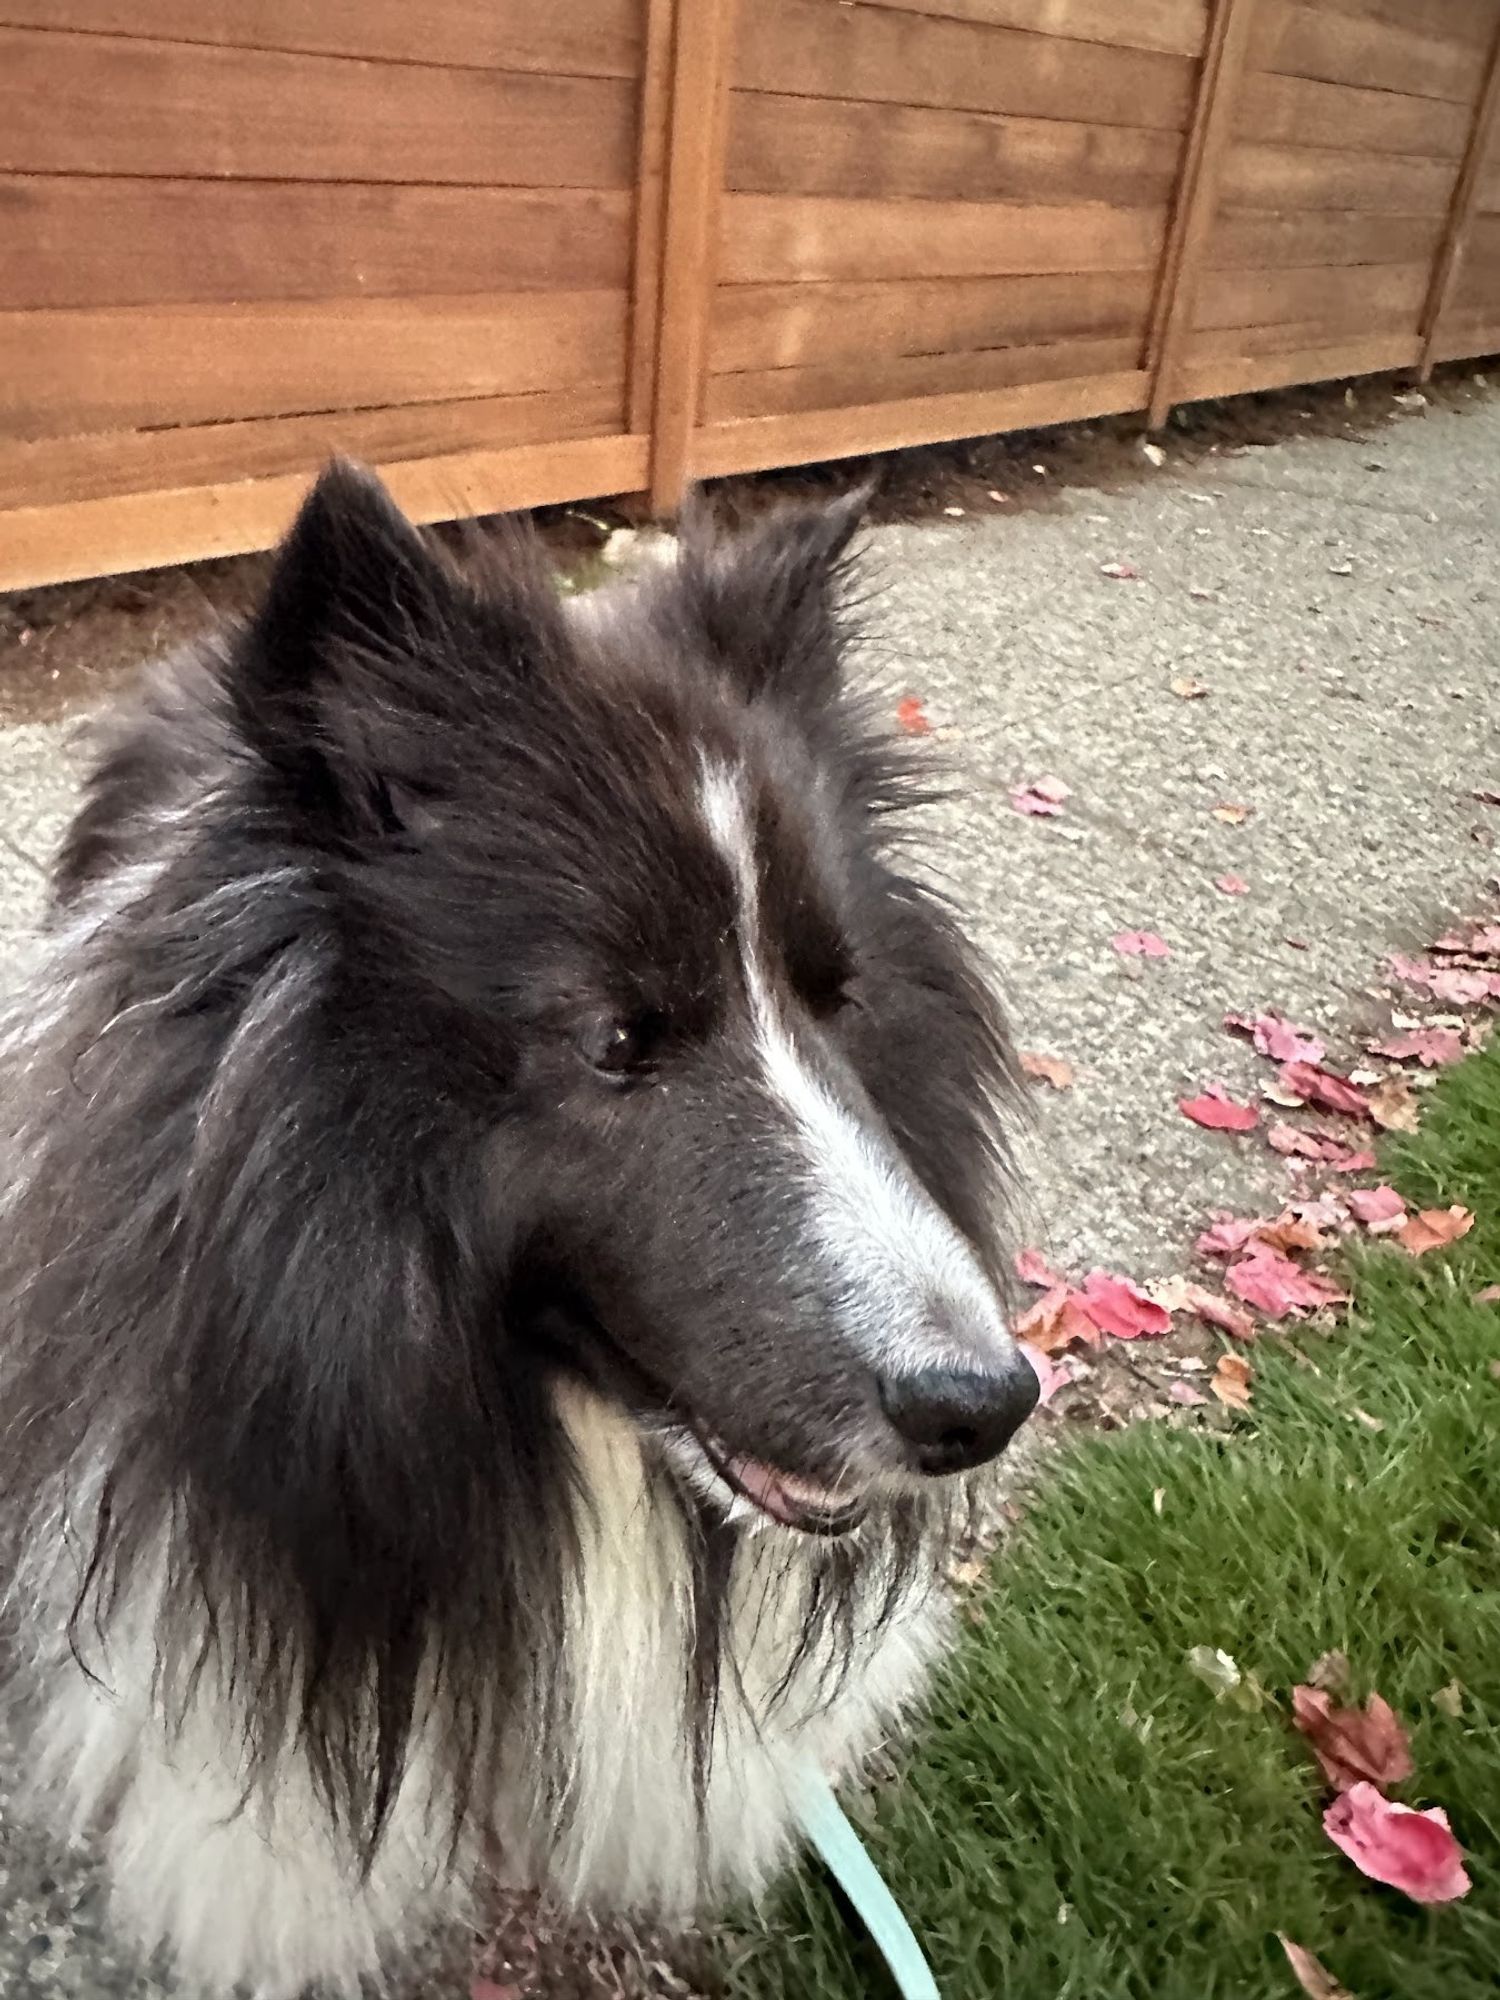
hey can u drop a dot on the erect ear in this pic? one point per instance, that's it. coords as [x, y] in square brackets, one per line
[769, 599]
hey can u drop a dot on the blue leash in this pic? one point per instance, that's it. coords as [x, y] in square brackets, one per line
[822, 1819]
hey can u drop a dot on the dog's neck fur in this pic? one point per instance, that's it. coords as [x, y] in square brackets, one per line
[268, 1885]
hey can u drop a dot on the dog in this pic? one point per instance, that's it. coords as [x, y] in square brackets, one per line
[499, 1279]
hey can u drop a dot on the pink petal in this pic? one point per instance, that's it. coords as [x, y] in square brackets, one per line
[1463, 988]
[1273, 1284]
[1051, 1375]
[1227, 1235]
[1284, 1138]
[1358, 1160]
[1313, 1085]
[1232, 885]
[1185, 1393]
[1275, 1037]
[1219, 1312]
[912, 716]
[1116, 1306]
[1026, 799]
[1218, 1112]
[1032, 1268]
[1120, 572]
[1485, 942]
[1412, 1851]
[1428, 1046]
[1380, 1209]
[1140, 944]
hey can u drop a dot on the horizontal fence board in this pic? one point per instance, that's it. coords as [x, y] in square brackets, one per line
[141, 530]
[1309, 40]
[1487, 187]
[77, 240]
[818, 145]
[893, 378]
[1476, 285]
[1251, 239]
[1172, 27]
[51, 471]
[108, 104]
[753, 443]
[770, 237]
[795, 326]
[1381, 294]
[1278, 177]
[1288, 109]
[1465, 339]
[810, 48]
[1468, 21]
[117, 368]
[580, 38]
[1227, 375]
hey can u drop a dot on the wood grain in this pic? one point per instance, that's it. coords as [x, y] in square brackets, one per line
[1310, 40]
[755, 442]
[1280, 177]
[82, 240]
[52, 471]
[809, 48]
[1287, 110]
[1173, 27]
[768, 237]
[1458, 240]
[900, 377]
[795, 326]
[703, 55]
[650, 210]
[108, 104]
[1470, 21]
[821, 145]
[1380, 296]
[116, 368]
[1208, 137]
[580, 38]
[1224, 375]
[142, 530]
[1251, 239]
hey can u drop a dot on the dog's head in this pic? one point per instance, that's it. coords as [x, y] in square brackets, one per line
[612, 947]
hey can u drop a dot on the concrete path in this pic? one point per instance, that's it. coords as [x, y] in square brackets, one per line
[1339, 602]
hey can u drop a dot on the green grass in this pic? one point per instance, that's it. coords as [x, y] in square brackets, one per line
[1082, 1820]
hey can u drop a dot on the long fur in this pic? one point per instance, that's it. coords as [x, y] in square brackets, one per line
[353, 1306]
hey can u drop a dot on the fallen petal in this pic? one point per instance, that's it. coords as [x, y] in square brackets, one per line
[1120, 572]
[1032, 1268]
[1232, 885]
[1186, 1394]
[1428, 1046]
[1226, 1235]
[1219, 1312]
[1275, 1286]
[1412, 1851]
[1314, 1085]
[1048, 1069]
[1218, 1112]
[1118, 1307]
[1215, 1668]
[912, 716]
[1353, 1745]
[1051, 1375]
[1380, 1209]
[1311, 1974]
[1056, 1321]
[1231, 1381]
[1433, 1228]
[1140, 944]
[1393, 1107]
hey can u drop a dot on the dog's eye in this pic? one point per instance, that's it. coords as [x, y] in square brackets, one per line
[624, 1046]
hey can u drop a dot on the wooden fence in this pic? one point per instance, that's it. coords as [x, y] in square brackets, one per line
[516, 252]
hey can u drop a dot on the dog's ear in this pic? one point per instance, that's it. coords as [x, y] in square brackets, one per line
[770, 600]
[369, 653]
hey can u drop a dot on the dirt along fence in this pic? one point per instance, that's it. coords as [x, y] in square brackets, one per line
[515, 253]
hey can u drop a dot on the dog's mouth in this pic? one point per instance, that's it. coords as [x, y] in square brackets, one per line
[786, 1498]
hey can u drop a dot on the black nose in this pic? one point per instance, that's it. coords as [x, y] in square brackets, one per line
[956, 1418]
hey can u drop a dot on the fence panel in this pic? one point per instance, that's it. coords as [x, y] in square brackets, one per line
[513, 253]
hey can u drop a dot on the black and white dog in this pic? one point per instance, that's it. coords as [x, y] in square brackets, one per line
[497, 1261]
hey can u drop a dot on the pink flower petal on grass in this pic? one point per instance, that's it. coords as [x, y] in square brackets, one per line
[1274, 1285]
[1412, 1851]
[1140, 944]
[1042, 798]
[1032, 1268]
[1051, 1375]
[1313, 1085]
[1380, 1209]
[1116, 1306]
[1219, 1312]
[1218, 1112]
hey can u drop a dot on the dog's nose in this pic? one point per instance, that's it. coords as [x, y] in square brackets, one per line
[956, 1418]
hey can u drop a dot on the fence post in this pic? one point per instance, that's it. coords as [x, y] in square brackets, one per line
[1461, 211]
[698, 122]
[650, 201]
[1219, 74]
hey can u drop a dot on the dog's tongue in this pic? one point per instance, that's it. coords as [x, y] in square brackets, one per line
[781, 1494]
